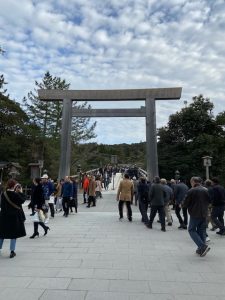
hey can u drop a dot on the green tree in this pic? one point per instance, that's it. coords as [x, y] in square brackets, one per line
[48, 114]
[191, 134]
[17, 133]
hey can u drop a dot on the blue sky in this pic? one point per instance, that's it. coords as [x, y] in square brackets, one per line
[96, 44]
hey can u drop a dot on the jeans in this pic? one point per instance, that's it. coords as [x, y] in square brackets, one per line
[129, 211]
[12, 244]
[184, 211]
[217, 216]
[197, 231]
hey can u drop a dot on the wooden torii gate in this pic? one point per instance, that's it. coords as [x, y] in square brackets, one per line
[149, 112]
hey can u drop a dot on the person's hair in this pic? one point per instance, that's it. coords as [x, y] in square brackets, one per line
[11, 183]
[156, 179]
[37, 180]
[163, 181]
[208, 182]
[126, 176]
[196, 179]
[215, 180]
[143, 180]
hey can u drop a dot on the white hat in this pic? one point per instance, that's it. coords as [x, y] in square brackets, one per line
[44, 176]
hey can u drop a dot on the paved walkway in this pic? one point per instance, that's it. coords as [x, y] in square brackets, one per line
[93, 256]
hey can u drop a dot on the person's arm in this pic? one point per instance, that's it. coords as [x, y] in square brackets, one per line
[118, 192]
[187, 200]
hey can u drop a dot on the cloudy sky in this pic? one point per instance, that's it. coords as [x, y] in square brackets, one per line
[107, 44]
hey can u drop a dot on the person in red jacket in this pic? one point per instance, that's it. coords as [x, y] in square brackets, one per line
[85, 187]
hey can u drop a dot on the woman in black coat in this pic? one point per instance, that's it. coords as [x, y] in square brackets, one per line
[12, 216]
[38, 202]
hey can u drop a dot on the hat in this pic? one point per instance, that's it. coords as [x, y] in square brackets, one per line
[44, 176]
[134, 178]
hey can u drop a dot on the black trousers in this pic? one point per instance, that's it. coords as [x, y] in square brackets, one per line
[182, 221]
[91, 199]
[73, 203]
[129, 210]
[42, 224]
[65, 205]
[52, 209]
[217, 216]
[143, 207]
[161, 211]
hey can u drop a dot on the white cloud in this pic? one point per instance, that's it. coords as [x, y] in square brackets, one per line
[97, 44]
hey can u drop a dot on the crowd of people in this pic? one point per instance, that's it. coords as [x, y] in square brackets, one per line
[204, 202]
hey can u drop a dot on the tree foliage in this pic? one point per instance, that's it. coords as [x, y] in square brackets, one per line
[191, 134]
[48, 114]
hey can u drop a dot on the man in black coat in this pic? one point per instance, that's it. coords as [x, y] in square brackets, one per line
[197, 202]
[157, 197]
[217, 197]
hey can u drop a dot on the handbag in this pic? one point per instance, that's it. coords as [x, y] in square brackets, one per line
[41, 216]
[10, 202]
[51, 200]
[36, 217]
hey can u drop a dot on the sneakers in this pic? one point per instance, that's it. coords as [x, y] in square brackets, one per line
[204, 250]
[207, 240]
[163, 229]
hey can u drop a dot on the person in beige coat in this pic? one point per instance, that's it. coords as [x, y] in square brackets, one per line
[91, 191]
[124, 195]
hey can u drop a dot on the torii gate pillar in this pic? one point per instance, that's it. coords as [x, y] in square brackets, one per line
[151, 139]
[65, 153]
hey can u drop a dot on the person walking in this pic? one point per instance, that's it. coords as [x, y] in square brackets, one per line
[180, 191]
[85, 185]
[124, 195]
[12, 216]
[217, 195]
[143, 199]
[135, 196]
[67, 195]
[98, 189]
[91, 192]
[157, 197]
[197, 202]
[48, 189]
[38, 202]
[74, 201]
[169, 198]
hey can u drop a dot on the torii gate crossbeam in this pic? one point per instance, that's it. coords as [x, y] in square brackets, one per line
[149, 112]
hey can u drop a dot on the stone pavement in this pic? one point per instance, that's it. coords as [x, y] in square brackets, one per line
[93, 256]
